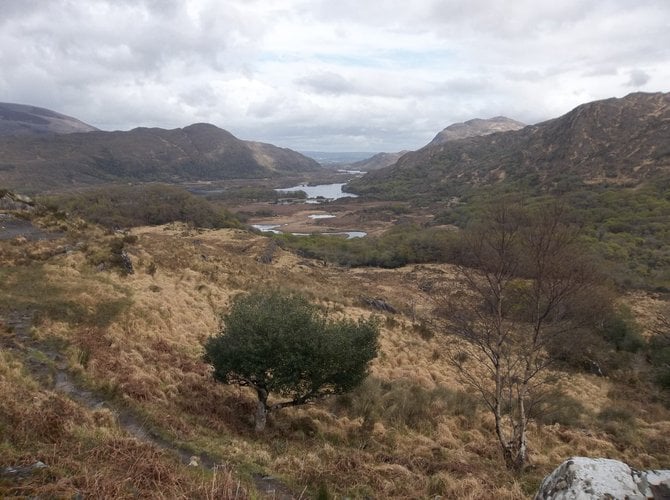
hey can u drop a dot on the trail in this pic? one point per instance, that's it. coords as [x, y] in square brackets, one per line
[53, 374]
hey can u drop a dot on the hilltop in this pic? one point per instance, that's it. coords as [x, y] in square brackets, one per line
[380, 160]
[621, 141]
[476, 127]
[26, 120]
[194, 153]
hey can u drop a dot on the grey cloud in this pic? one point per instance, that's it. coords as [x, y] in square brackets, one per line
[638, 78]
[327, 83]
[123, 63]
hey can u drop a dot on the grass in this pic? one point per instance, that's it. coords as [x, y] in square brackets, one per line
[85, 452]
[411, 431]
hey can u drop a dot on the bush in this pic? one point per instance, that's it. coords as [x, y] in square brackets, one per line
[150, 204]
[406, 403]
[283, 345]
[403, 244]
[621, 331]
[558, 408]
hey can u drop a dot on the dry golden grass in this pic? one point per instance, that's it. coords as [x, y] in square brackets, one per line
[85, 451]
[146, 354]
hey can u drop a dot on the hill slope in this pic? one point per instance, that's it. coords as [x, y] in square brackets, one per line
[618, 141]
[132, 344]
[380, 160]
[197, 152]
[25, 120]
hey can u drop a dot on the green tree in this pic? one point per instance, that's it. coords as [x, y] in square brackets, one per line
[282, 345]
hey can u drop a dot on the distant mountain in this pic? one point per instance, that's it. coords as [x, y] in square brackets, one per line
[615, 141]
[380, 160]
[24, 120]
[476, 127]
[197, 152]
[453, 132]
[337, 159]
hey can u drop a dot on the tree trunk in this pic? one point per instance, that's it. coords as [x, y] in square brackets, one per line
[261, 409]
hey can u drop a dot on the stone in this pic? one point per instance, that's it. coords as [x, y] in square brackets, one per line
[21, 471]
[581, 478]
[379, 304]
[14, 201]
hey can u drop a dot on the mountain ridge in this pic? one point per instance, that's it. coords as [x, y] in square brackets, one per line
[617, 140]
[196, 152]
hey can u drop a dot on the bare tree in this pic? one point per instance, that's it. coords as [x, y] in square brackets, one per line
[521, 274]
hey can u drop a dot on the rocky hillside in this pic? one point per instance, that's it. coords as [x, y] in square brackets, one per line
[476, 127]
[196, 152]
[24, 120]
[615, 141]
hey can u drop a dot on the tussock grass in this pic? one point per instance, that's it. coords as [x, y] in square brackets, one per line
[411, 431]
[85, 452]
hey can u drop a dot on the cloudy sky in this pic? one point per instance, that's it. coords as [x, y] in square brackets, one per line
[329, 75]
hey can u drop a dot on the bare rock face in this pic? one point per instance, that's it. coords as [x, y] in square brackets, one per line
[581, 478]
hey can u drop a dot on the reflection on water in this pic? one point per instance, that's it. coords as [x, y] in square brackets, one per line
[267, 228]
[352, 234]
[272, 228]
[325, 191]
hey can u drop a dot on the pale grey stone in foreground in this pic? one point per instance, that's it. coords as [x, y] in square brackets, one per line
[581, 478]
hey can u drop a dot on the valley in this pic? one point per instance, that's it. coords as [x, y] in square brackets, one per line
[134, 340]
[135, 245]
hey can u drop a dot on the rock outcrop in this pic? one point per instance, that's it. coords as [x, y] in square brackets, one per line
[581, 478]
[14, 201]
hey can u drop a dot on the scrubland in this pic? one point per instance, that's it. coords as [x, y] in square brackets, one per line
[134, 341]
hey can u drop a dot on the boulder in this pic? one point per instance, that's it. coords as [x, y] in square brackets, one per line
[379, 304]
[581, 478]
[14, 201]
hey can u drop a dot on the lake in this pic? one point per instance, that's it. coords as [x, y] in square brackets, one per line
[326, 191]
[272, 228]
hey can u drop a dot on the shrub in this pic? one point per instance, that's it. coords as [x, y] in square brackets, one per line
[150, 204]
[621, 331]
[283, 345]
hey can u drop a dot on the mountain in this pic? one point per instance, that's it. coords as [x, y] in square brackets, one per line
[197, 152]
[615, 141]
[24, 120]
[453, 132]
[476, 127]
[380, 160]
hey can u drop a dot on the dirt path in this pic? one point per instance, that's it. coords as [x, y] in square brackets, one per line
[53, 375]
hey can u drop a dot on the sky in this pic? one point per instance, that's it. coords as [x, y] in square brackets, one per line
[328, 75]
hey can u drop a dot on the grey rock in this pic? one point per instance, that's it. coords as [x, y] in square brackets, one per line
[581, 478]
[21, 471]
[379, 304]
